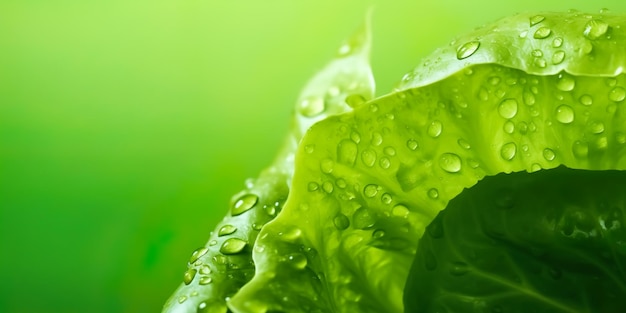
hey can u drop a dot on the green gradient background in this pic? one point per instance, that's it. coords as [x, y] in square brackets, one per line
[125, 126]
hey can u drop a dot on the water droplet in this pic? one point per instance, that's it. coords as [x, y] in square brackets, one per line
[540, 62]
[507, 108]
[435, 128]
[542, 32]
[189, 276]
[312, 186]
[534, 20]
[341, 221]
[557, 42]
[226, 230]
[311, 106]
[368, 157]
[212, 243]
[355, 136]
[535, 167]
[433, 193]
[363, 219]
[467, 49]
[205, 270]
[586, 100]
[412, 144]
[232, 246]
[379, 233]
[326, 166]
[182, 299]
[565, 82]
[523, 127]
[400, 210]
[580, 149]
[596, 127]
[594, 29]
[390, 151]
[537, 53]
[463, 144]
[450, 162]
[386, 198]
[617, 94]
[377, 138]
[346, 152]
[620, 138]
[384, 162]
[508, 150]
[205, 280]
[328, 187]
[244, 204]
[341, 183]
[564, 114]
[508, 127]
[370, 190]
[355, 100]
[200, 252]
[529, 98]
[549, 154]
[558, 57]
[459, 268]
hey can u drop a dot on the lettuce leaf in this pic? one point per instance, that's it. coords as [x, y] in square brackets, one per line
[527, 93]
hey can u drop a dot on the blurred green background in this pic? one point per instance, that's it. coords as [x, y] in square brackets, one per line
[125, 126]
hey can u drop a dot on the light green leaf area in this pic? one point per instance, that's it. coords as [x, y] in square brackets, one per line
[497, 249]
[216, 272]
[368, 182]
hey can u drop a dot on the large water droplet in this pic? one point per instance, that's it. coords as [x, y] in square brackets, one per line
[311, 106]
[198, 254]
[363, 219]
[368, 157]
[435, 128]
[400, 210]
[542, 32]
[617, 94]
[244, 204]
[508, 151]
[346, 152]
[467, 49]
[433, 193]
[341, 221]
[370, 190]
[594, 29]
[507, 108]
[534, 20]
[233, 246]
[189, 276]
[565, 82]
[564, 114]
[549, 154]
[226, 230]
[558, 57]
[450, 162]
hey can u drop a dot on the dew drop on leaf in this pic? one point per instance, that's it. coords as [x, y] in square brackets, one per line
[450, 162]
[558, 57]
[594, 29]
[368, 157]
[341, 221]
[205, 280]
[386, 198]
[362, 218]
[189, 276]
[564, 114]
[508, 151]
[580, 149]
[463, 144]
[536, 19]
[205, 270]
[467, 49]
[508, 108]
[557, 42]
[565, 82]
[370, 190]
[435, 128]
[347, 152]
[244, 204]
[433, 193]
[542, 32]
[226, 230]
[198, 254]
[412, 144]
[549, 154]
[617, 94]
[586, 100]
[311, 106]
[596, 127]
[400, 210]
[232, 246]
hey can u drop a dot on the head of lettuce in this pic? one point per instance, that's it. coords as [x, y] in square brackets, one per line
[526, 114]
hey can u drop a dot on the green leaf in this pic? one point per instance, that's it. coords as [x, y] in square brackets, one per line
[373, 178]
[551, 241]
[218, 270]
